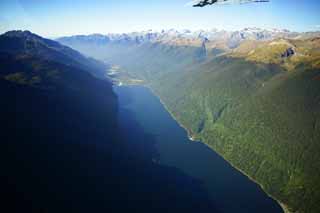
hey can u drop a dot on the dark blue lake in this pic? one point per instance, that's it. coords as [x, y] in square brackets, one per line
[228, 189]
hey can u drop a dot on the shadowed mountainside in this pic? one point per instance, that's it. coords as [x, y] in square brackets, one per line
[62, 149]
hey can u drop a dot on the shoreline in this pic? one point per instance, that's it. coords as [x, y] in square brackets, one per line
[283, 206]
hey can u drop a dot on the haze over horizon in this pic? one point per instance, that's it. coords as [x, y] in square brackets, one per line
[62, 18]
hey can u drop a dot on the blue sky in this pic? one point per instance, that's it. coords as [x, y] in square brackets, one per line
[54, 18]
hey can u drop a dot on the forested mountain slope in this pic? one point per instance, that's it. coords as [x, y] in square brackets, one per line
[257, 104]
[25, 43]
[261, 118]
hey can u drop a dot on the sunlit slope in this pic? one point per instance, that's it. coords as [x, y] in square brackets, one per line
[287, 53]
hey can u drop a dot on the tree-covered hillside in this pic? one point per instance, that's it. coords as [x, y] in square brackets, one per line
[261, 118]
[257, 105]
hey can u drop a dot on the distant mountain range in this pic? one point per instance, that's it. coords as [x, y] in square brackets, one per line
[187, 37]
[260, 45]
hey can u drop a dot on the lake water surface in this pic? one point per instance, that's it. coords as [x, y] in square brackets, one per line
[230, 190]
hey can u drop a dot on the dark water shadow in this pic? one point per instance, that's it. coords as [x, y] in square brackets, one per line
[230, 190]
[62, 152]
[191, 191]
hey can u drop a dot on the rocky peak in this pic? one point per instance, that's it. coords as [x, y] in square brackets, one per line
[21, 34]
